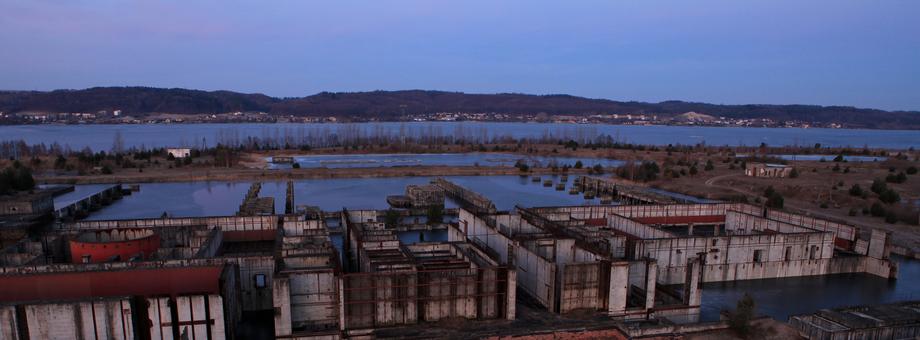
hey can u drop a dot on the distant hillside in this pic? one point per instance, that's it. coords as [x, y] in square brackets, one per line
[391, 105]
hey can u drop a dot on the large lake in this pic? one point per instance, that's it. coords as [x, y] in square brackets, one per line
[101, 137]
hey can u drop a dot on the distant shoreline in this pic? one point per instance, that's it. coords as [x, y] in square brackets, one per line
[459, 122]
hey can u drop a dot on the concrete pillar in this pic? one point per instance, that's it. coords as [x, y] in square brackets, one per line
[281, 301]
[511, 294]
[341, 290]
[690, 229]
[618, 290]
[692, 291]
[715, 229]
[651, 279]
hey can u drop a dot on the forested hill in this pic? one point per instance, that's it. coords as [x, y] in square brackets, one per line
[391, 105]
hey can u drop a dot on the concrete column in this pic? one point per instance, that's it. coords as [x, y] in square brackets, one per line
[281, 301]
[715, 230]
[651, 279]
[341, 290]
[692, 291]
[511, 288]
[690, 229]
[511, 294]
[618, 290]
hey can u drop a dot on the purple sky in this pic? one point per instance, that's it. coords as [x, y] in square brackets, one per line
[830, 52]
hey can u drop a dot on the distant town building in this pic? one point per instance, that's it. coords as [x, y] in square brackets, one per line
[179, 152]
[767, 170]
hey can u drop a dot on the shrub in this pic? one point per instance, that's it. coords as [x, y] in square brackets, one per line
[889, 196]
[912, 170]
[878, 186]
[740, 319]
[598, 169]
[891, 217]
[775, 201]
[877, 210]
[856, 190]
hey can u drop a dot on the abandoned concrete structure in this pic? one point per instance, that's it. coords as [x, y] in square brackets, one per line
[896, 321]
[22, 211]
[353, 274]
[731, 241]
[425, 195]
[25, 203]
[254, 205]
[767, 170]
[418, 196]
[567, 267]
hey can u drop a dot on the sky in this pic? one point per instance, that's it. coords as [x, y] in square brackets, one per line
[825, 52]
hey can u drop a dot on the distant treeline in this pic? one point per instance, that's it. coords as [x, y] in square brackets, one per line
[393, 105]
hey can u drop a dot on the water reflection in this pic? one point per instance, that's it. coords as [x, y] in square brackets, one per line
[223, 198]
[780, 298]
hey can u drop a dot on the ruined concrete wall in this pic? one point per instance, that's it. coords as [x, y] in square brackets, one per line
[738, 222]
[8, 323]
[255, 297]
[107, 319]
[879, 246]
[635, 228]
[618, 288]
[225, 223]
[380, 299]
[583, 286]
[448, 294]
[662, 210]
[730, 257]
[536, 276]
[514, 225]
[196, 316]
[842, 231]
[478, 231]
[314, 300]
[281, 301]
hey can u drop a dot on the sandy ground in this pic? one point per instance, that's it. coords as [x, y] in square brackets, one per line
[766, 329]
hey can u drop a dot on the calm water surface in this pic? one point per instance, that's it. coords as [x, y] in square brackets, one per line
[780, 298]
[100, 137]
[223, 198]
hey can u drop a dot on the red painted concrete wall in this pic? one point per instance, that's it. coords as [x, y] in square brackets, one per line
[80, 285]
[103, 251]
